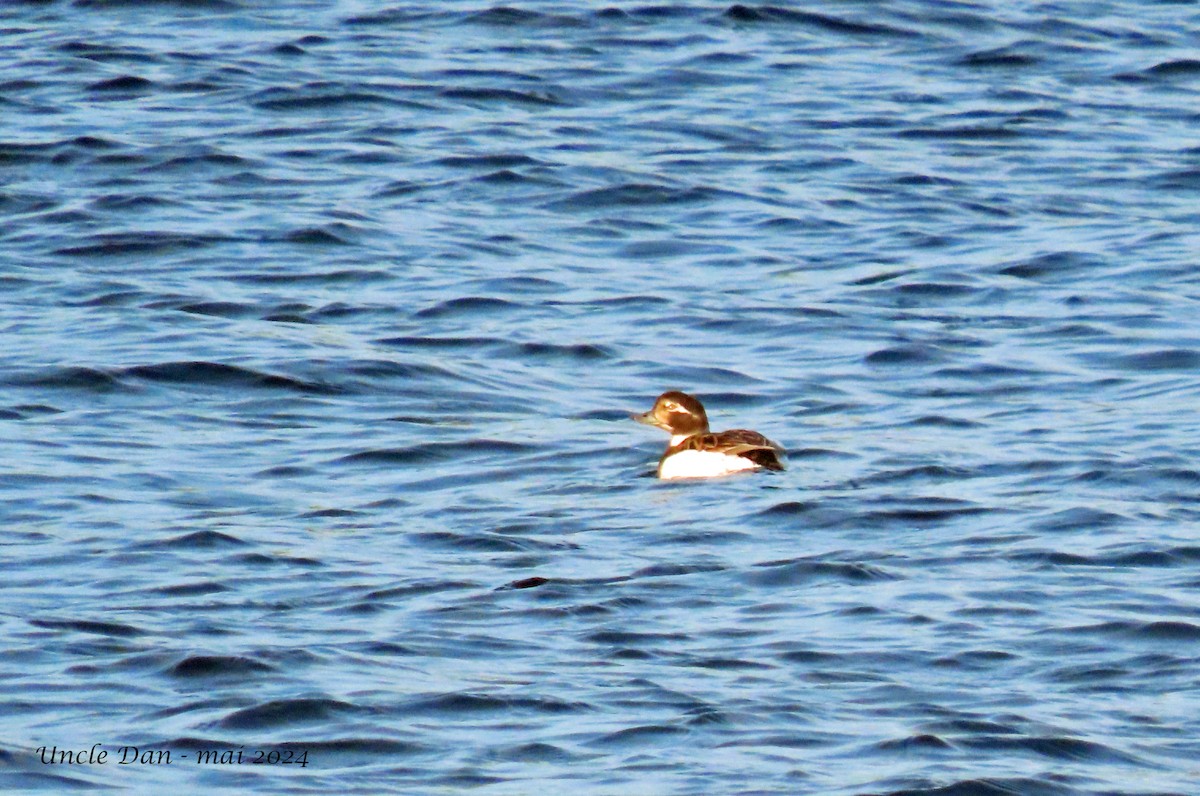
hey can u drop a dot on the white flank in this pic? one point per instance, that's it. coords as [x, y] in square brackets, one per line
[702, 464]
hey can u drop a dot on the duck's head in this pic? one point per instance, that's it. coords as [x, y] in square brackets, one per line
[676, 412]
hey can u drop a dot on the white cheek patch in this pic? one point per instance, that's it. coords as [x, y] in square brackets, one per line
[702, 464]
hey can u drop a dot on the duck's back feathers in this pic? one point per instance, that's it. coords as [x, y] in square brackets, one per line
[736, 442]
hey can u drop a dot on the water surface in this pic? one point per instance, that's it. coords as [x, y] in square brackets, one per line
[320, 325]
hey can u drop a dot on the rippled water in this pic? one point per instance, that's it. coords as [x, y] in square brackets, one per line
[321, 324]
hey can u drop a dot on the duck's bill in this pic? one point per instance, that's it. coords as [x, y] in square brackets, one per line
[646, 418]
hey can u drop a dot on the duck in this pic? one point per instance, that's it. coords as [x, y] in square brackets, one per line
[695, 452]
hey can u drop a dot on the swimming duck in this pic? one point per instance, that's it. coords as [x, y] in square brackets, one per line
[695, 452]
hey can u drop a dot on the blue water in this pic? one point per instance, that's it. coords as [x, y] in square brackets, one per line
[320, 324]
